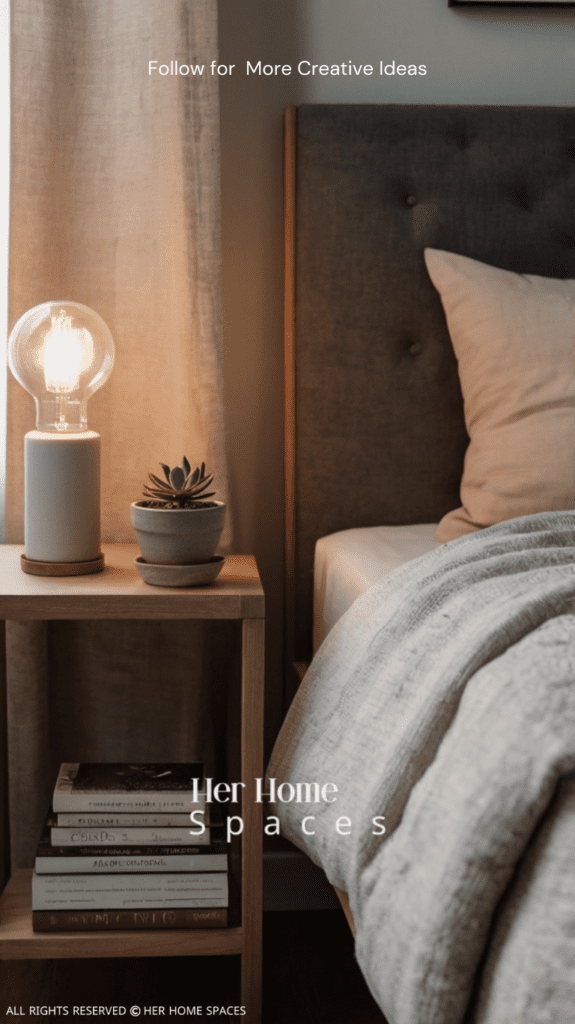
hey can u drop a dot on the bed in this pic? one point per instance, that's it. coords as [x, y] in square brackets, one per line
[404, 225]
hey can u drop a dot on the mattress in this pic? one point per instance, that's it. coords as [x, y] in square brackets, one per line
[349, 562]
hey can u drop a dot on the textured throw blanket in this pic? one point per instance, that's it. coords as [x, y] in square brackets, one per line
[444, 700]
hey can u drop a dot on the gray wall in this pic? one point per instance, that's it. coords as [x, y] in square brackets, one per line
[472, 56]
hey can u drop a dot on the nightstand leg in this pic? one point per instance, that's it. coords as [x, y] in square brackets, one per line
[30, 785]
[252, 768]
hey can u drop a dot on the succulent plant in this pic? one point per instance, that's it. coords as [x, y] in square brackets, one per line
[182, 488]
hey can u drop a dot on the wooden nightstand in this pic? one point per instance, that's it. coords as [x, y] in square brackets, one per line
[119, 593]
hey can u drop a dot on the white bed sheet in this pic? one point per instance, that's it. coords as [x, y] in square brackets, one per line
[349, 562]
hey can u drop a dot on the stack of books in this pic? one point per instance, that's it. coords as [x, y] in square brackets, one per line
[123, 848]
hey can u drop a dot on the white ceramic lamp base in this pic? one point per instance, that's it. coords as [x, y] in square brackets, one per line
[62, 504]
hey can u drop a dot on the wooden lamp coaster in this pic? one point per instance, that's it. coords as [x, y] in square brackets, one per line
[36, 568]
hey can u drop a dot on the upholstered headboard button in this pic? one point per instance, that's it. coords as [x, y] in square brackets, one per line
[415, 349]
[411, 200]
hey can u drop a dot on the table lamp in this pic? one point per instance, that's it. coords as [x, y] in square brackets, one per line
[61, 353]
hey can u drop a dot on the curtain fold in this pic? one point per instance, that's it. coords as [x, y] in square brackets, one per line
[115, 204]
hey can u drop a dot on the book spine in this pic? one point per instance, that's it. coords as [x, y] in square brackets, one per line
[45, 850]
[158, 891]
[123, 836]
[108, 901]
[132, 802]
[95, 865]
[112, 920]
[77, 820]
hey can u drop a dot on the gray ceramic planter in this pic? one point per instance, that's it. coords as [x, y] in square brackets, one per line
[178, 536]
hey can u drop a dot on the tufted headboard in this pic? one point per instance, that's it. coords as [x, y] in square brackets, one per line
[374, 422]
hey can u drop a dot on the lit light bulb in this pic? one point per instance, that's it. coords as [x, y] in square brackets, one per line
[61, 352]
[67, 351]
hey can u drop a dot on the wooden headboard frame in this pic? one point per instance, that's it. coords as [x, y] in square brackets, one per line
[374, 428]
[290, 115]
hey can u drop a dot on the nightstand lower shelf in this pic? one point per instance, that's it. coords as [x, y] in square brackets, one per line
[19, 942]
[118, 592]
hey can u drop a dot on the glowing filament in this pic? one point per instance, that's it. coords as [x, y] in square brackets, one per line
[67, 352]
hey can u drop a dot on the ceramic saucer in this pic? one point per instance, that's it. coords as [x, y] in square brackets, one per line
[180, 575]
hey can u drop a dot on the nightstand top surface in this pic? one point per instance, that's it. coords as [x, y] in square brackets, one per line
[118, 592]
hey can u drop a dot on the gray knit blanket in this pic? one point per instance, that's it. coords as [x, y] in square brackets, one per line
[444, 703]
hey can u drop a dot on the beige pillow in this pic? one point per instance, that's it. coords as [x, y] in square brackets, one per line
[514, 338]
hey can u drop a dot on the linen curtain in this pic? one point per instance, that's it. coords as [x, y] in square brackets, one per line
[115, 204]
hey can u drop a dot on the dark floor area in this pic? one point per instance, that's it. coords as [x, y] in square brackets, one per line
[310, 977]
